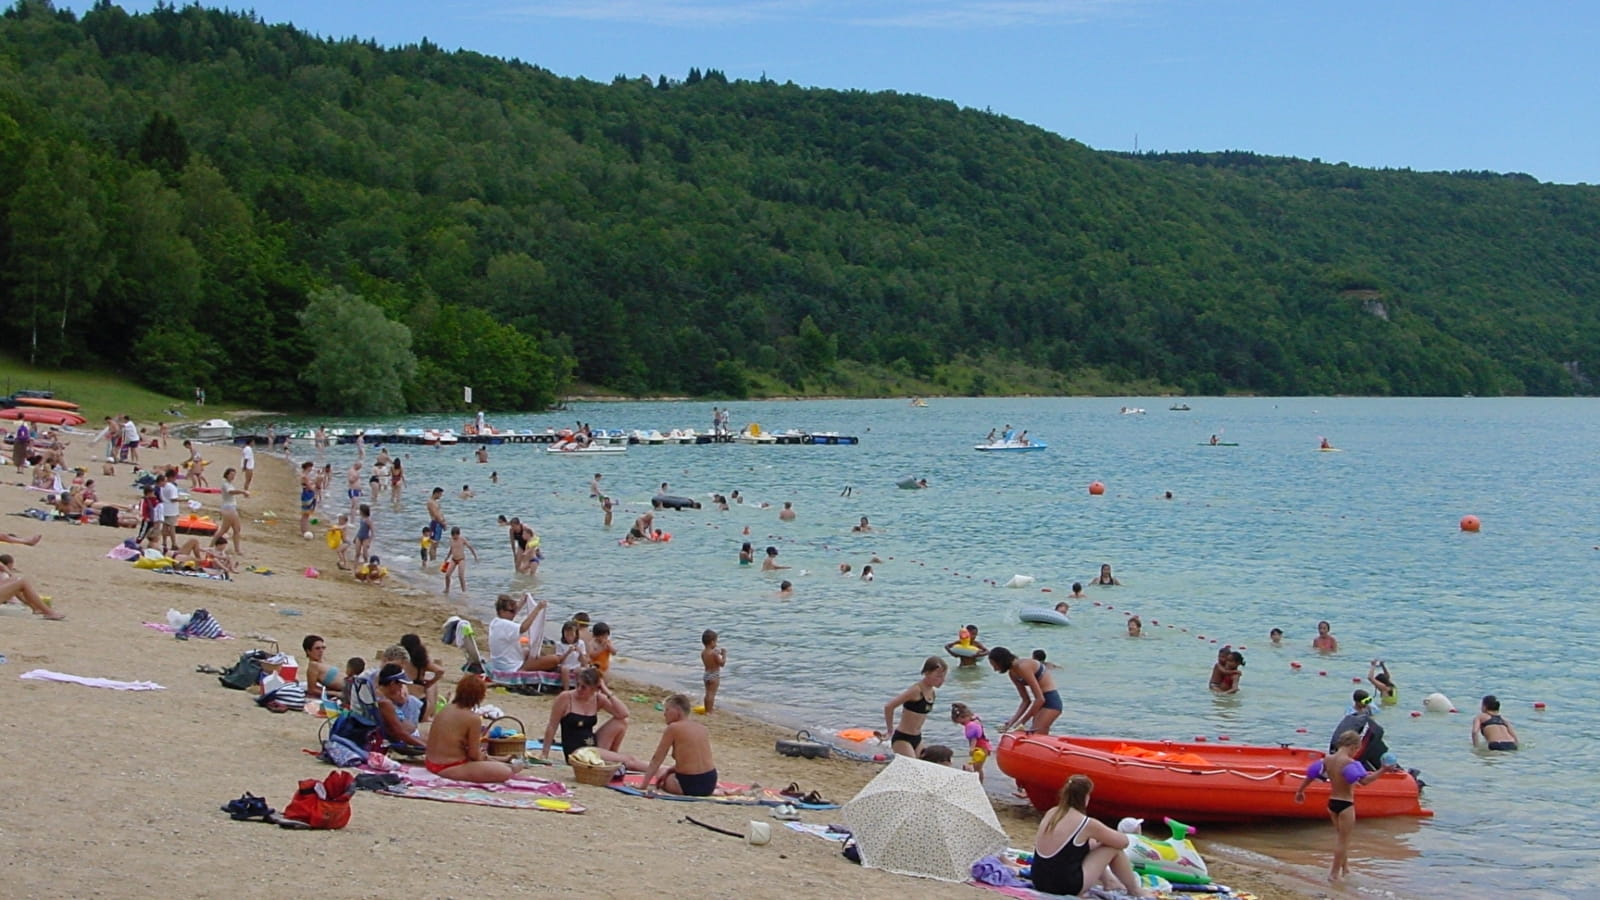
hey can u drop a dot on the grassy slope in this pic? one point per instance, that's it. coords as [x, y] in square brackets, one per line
[101, 394]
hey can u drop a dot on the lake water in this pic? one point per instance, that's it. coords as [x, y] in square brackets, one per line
[1267, 533]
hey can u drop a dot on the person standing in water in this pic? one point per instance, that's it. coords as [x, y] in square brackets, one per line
[713, 658]
[1495, 730]
[1041, 702]
[1325, 641]
[1105, 578]
[1342, 772]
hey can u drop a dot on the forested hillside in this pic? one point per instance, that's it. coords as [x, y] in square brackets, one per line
[199, 197]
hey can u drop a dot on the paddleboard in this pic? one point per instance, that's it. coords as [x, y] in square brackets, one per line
[1218, 444]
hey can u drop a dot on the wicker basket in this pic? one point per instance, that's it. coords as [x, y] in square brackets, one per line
[599, 776]
[508, 746]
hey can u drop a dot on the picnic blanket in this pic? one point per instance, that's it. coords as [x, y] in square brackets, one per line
[47, 675]
[729, 792]
[481, 795]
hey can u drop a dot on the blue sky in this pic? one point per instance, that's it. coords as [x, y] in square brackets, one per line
[1426, 85]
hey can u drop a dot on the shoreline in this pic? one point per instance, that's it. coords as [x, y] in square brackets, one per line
[145, 814]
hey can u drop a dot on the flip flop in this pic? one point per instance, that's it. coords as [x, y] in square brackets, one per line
[793, 790]
[814, 798]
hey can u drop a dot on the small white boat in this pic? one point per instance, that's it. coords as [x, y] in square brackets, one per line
[752, 434]
[647, 437]
[1133, 410]
[681, 436]
[215, 430]
[572, 448]
[1012, 446]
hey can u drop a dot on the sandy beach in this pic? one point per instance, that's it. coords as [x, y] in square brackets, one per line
[116, 794]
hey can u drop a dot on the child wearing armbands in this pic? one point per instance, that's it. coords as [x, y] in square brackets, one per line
[978, 745]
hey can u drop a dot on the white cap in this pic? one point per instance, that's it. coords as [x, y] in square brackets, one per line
[1130, 825]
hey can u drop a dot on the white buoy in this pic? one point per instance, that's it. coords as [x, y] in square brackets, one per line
[1018, 581]
[1437, 702]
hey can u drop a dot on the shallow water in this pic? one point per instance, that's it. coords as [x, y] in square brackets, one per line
[1268, 533]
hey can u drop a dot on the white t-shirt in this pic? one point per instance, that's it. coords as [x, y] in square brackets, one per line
[247, 457]
[130, 432]
[505, 645]
[571, 655]
[169, 499]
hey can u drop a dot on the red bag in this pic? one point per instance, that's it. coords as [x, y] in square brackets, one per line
[323, 804]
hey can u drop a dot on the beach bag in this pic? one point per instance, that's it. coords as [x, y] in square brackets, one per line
[325, 803]
[201, 625]
[243, 674]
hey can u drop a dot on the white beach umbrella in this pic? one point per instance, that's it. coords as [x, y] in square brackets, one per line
[917, 818]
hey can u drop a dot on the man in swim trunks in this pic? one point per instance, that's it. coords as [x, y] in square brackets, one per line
[352, 483]
[436, 522]
[1496, 731]
[693, 772]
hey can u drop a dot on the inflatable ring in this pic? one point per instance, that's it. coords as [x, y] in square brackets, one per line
[964, 652]
[1040, 615]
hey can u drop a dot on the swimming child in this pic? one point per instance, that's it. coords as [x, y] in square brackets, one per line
[1063, 607]
[1496, 731]
[1383, 683]
[1276, 636]
[1135, 626]
[971, 649]
[844, 569]
[336, 541]
[1077, 591]
[1105, 578]
[866, 573]
[713, 658]
[1325, 641]
[978, 745]
[1225, 674]
[456, 563]
[770, 564]
[572, 654]
[785, 590]
[1040, 657]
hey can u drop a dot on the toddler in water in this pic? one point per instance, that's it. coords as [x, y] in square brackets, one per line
[713, 658]
[978, 745]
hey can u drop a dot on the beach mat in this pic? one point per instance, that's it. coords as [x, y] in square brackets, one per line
[732, 793]
[164, 628]
[480, 796]
[1211, 892]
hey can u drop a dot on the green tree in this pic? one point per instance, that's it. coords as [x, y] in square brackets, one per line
[360, 360]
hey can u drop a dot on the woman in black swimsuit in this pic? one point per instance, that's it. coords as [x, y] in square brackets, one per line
[915, 703]
[1105, 578]
[520, 534]
[1072, 850]
[577, 712]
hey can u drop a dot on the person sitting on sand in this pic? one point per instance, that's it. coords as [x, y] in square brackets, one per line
[13, 586]
[506, 652]
[9, 538]
[214, 556]
[577, 713]
[393, 698]
[455, 740]
[1073, 850]
[373, 571]
[693, 772]
[321, 677]
[938, 754]
[425, 673]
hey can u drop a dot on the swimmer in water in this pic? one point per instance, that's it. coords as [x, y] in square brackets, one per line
[1226, 674]
[770, 564]
[787, 513]
[1063, 607]
[968, 638]
[747, 554]
[862, 527]
[1325, 641]
[1383, 683]
[844, 569]
[1077, 591]
[1276, 636]
[1135, 627]
[785, 590]
[1039, 656]
[1105, 578]
[866, 573]
[1496, 731]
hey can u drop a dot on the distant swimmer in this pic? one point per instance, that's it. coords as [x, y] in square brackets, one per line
[866, 572]
[1105, 578]
[1325, 641]
[594, 486]
[785, 590]
[863, 526]
[1077, 591]
[971, 649]
[1496, 731]
[770, 564]
[787, 513]
[1225, 675]
[482, 453]
[844, 569]
[466, 492]
[1383, 683]
[747, 554]
[1326, 445]
[1276, 637]
[1135, 627]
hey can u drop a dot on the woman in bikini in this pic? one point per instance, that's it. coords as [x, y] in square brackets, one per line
[455, 740]
[1072, 850]
[1105, 578]
[321, 676]
[1041, 702]
[915, 702]
[1343, 773]
[397, 480]
[577, 713]
[424, 672]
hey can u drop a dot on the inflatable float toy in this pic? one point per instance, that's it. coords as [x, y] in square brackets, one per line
[196, 525]
[669, 501]
[1174, 858]
[1019, 581]
[964, 647]
[801, 745]
[1437, 702]
[46, 403]
[57, 417]
[859, 735]
[154, 562]
[1201, 782]
[1043, 615]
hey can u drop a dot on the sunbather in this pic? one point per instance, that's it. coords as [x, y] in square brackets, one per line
[694, 771]
[7, 537]
[455, 740]
[578, 711]
[214, 556]
[14, 586]
[322, 678]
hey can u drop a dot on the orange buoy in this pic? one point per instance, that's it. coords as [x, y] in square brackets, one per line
[1322, 673]
[1470, 523]
[1302, 731]
[1223, 737]
[1538, 704]
[1354, 680]
[1415, 714]
[1096, 489]
[1294, 665]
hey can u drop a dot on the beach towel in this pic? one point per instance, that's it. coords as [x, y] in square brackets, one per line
[826, 832]
[47, 675]
[730, 793]
[479, 795]
[164, 628]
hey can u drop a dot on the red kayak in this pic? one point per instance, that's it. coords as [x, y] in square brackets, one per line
[1191, 782]
[41, 416]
